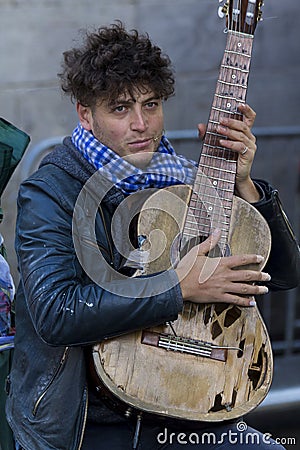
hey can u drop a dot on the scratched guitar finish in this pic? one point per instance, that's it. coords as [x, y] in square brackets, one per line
[215, 361]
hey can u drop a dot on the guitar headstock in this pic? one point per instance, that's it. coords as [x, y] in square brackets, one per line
[241, 15]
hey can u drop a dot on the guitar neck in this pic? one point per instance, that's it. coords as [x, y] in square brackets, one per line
[211, 201]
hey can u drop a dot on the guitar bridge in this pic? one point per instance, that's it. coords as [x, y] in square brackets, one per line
[186, 345]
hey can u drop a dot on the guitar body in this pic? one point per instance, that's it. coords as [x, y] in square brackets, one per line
[178, 384]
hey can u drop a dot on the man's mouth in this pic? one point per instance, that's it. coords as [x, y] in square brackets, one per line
[141, 143]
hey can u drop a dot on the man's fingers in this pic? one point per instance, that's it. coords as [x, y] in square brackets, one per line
[248, 289]
[243, 260]
[238, 300]
[209, 243]
[201, 130]
[249, 114]
[249, 276]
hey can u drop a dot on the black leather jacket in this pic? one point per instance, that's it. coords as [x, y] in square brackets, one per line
[60, 310]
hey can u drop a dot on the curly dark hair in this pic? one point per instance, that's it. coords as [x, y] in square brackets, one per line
[113, 61]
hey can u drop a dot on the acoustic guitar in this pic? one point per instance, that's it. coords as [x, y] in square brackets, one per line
[215, 361]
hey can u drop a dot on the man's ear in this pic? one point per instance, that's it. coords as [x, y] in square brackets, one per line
[85, 116]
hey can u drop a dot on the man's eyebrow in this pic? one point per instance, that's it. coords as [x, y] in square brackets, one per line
[121, 101]
[130, 100]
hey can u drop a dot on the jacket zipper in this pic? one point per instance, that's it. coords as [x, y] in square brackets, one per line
[84, 421]
[37, 403]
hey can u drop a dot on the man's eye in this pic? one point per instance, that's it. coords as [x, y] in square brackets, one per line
[120, 108]
[151, 104]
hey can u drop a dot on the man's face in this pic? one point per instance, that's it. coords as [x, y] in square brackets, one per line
[131, 126]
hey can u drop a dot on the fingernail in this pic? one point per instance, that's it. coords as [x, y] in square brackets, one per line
[260, 258]
[266, 276]
[216, 231]
[252, 303]
[264, 290]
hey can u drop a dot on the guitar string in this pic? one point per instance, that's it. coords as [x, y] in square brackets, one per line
[231, 66]
[211, 140]
[227, 74]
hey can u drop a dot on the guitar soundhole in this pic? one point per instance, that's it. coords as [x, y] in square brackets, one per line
[231, 316]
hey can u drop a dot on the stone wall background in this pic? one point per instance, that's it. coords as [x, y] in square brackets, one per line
[34, 33]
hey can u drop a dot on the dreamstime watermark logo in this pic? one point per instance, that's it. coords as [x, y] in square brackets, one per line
[97, 266]
[237, 434]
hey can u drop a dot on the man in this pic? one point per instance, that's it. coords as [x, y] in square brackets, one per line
[66, 302]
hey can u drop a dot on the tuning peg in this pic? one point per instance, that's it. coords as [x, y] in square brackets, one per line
[223, 10]
[220, 12]
[259, 15]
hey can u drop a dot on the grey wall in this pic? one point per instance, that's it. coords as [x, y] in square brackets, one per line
[34, 33]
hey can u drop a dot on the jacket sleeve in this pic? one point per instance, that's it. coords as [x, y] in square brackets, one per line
[284, 260]
[65, 305]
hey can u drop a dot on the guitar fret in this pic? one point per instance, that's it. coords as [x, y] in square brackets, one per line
[204, 215]
[203, 226]
[238, 69]
[227, 83]
[203, 195]
[228, 97]
[191, 225]
[206, 195]
[233, 52]
[212, 133]
[219, 169]
[192, 208]
[222, 179]
[217, 147]
[223, 110]
[213, 156]
[220, 223]
[214, 122]
[218, 189]
[210, 201]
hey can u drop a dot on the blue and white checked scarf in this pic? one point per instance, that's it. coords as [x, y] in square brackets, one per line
[165, 168]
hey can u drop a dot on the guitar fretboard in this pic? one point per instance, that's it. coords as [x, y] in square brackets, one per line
[211, 201]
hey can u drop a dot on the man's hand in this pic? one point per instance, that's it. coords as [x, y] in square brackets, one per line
[239, 138]
[211, 280]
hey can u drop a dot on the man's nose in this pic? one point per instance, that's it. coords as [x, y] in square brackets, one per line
[139, 121]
